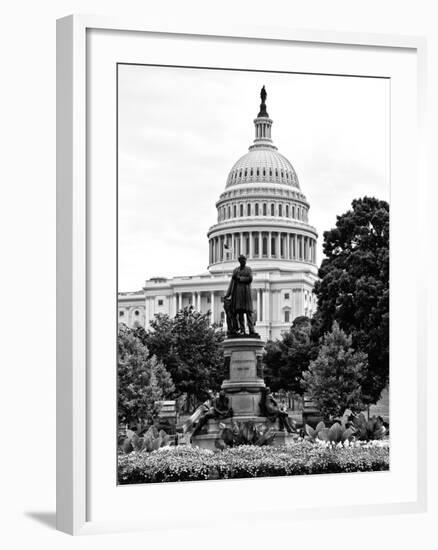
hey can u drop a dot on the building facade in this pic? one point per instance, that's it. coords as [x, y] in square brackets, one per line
[263, 214]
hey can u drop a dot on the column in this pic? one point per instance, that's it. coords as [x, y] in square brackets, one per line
[258, 305]
[179, 300]
[175, 304]
[251, 245]
[147, 313]
[260, 245]
[194, 299]
[212, 314]
[278, 241]
[241, 243]
[266, 305]
[198, 308]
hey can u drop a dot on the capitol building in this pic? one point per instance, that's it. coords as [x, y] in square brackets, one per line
[263, 214]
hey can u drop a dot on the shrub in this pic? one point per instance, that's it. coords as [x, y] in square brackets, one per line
[248, 461]
[244, 433]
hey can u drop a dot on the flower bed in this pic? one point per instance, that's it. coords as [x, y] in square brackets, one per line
[192, 464]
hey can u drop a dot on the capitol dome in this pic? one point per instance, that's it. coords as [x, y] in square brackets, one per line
[262, 212]
[263, 164]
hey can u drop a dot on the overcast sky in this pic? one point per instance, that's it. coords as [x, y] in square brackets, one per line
[181, 130]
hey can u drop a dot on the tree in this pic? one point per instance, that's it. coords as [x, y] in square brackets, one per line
[142, 380]
[190, 350]
[287, 358]
[334, 379]
[354, 287]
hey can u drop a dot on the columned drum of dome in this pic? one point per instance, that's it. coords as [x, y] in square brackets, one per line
[263, 213]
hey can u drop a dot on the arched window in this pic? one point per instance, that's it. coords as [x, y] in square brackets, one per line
[264, 246]
[293, 211]
[276, 173]
[229, 212]
[265, 209]
[287, 210]
[121, 313]
[235, 210]
[256, 209]
[286, 316]
[246, 171]
[272, 209]
[280, 210]
[252, 171]
[241, 209]
[273, 250]
[270, 171]
[137, 312]
[264, 172]
[287, 175]
[248, 209]
[240, 174]
[282, 174]
[258, 172]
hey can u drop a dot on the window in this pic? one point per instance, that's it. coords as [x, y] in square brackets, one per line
[235, 210]
[265, 246]
[264, 172]
[272, 210]
[286, 296]
[287, 210]
[256, 245]
[246, 172]
[252, 171]
[256, 209]
[273, 252]
[241, 209]
[248, 209]
[270, 171]
[287, 316]
[121, 313]
[293, 211]
[137, 312]
[280, 210]
[258, 172]
[265, 209]
[229, 212]
[160, 302]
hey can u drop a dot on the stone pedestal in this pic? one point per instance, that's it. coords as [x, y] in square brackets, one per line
[245, 383]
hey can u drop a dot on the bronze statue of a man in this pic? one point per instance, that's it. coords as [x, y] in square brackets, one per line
[238, 300]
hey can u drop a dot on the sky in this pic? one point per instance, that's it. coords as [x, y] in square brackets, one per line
[180, 130]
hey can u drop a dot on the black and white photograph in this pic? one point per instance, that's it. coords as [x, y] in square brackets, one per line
[253, 274]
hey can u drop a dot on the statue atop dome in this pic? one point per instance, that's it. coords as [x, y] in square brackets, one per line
[263, 96]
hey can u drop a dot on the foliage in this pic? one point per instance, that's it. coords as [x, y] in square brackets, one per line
[248, 461]
[335, 434]
[142, 379]
[190, 350]
[152, 440]
[286, 358]
[371, 429]
[244, 433]
[335, 377]
[354, 287]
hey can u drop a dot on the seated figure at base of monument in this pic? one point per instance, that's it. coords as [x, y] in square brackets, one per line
[270, 408]
[219, 410]
[238, 302]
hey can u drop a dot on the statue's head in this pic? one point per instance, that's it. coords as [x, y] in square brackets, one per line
[242, 260]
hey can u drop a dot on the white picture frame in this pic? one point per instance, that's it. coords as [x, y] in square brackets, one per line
[76, 362]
